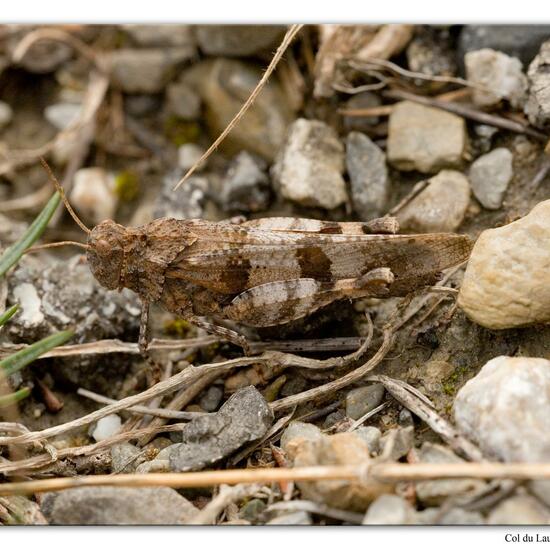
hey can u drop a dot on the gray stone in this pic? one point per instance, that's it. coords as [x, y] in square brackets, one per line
[424, 138]
[244, 417]
[459, 516]
[295, 518]
[441, 206]
[62, 115]
[146, 71]
[371, 436]
[246, 186]
[6, 114]
[436, 491]
[125, 458]
[370, 186]
[117, 506]
[188, 155]
[363, 100]
[161, 35]
[360, 401]
[309, 167]
[238, 40]
[224, 85]
[187, 202]
[183, 101]
[490, 175]
[389, 510]
[405, 418]
[252, 510]
[500, 73]
[211, 399]
[505, 409]
[397, 442]
[300, 430]
[537, 107]
[519, 510]
[521, 41]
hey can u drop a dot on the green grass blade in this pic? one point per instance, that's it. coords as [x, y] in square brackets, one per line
[8, 314]
[11, 398]
[13, 253]
[22, 358]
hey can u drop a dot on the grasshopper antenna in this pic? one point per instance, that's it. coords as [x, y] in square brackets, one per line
[61, 191]
[56, 245]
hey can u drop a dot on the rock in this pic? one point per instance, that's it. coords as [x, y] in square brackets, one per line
[370, 186]
[441, 206]
[405, 418]
[244, 417]
[490, 175]
[397, 442]
[188, 155]
[106, 427]
[162, 35]
[519, 510]
[295, 518]
[125, 457]
[459, 516]
[430, 52]
[521, 41]
[117, 506]
[63, 295]
[183, 101]
[224, 85]
[371, 436]
[505, 409]
[141, 105]
[188, 202]
[502, 74]
[246, 187]
[360, 401]
[341, 448]
[507, 281]
[44, 56]
[146, 71]
[309, 167]
[6, 114]
[436, 491]
[389, 510]
[537, 107]
[252, 510]
[211, 399]
[424, 138]
[93, 195]
[301, 431]
[62, 115]
[238, 40]
[362, 100]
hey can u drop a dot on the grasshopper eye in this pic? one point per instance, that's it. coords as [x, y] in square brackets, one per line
[103, 247]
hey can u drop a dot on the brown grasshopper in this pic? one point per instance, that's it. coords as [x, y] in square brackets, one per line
[263, 272]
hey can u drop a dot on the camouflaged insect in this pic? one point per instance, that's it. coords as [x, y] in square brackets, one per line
[265, 272]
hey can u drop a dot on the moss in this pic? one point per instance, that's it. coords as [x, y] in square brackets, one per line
[177, 327]
[272, 391]
[449, 385]
[180, 131]
[127, 185]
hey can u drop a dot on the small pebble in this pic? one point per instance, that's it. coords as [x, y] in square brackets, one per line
[183, 101]
[489, 177]
[389, 510]
[6, 114]
[360, 401]
[93, 195]
[211, 399]
[519, 510]
[301, 430]
[371, 436]
[106, 427]
[188, 155]
[62, 115]
[397, 441]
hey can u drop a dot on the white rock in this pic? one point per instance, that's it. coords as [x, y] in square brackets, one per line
[537, 107]
[62, 115]
[507, 281]
[93, 194]
[519, 510]
[425, 139]
[6, 114]
[490, 175]
[188, 155]
[310, 165]
[441, 206]
[505, 409]
[389, 510]
[31, 311]
[106, 427]
[500, 73]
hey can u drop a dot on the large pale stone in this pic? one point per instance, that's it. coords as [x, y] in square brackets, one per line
[424, 138]
[505, 409]
[538, 104]
[507, 281]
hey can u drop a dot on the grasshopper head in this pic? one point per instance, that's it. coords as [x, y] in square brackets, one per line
[106, 253]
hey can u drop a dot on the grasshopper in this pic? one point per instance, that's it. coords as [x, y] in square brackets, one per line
[263, 272]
